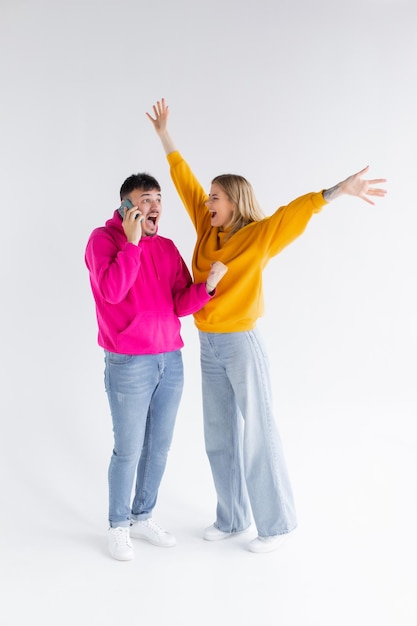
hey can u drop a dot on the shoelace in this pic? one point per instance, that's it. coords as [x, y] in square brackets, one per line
[155, 527]
[121, 536]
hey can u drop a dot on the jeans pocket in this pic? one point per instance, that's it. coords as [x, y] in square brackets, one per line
[118, 359]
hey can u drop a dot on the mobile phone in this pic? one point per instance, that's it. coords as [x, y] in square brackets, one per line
[126, 204]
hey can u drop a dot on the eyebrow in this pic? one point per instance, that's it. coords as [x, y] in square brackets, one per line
[149, 194]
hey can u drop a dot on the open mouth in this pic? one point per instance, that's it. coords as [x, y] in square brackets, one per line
[152, 219]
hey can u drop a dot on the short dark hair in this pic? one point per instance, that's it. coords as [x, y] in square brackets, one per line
[138, 181]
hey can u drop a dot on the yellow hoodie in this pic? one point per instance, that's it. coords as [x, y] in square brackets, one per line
[239, 295]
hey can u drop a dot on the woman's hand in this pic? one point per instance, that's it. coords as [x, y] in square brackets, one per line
[161, 112]
[355, 185]
[160, 124]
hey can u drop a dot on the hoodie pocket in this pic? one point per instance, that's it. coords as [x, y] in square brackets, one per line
[151, 333]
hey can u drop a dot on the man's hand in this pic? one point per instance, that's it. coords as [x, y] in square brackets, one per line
[218, 270]
[132, 225]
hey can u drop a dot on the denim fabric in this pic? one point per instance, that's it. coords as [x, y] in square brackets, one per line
[144, 393]
[241, 436]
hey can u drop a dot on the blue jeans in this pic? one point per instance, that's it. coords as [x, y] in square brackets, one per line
[144, 393]
[241, 436]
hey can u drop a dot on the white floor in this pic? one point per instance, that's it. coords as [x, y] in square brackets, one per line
[351, 560]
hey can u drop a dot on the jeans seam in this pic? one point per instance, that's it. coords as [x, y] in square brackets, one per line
[261, 359]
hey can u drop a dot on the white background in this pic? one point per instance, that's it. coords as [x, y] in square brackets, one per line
[295, 95]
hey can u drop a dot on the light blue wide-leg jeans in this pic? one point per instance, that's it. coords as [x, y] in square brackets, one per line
[144, 393]
[241, 436]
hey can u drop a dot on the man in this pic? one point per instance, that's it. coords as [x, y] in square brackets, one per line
[141, 286]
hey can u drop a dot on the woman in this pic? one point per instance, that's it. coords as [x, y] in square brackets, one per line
[241, 436]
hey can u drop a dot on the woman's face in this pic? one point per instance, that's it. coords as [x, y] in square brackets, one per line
[220, 206]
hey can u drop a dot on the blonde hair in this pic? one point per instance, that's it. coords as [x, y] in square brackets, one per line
[240, 192]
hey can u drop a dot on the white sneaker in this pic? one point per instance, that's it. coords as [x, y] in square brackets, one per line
[212, 533]
[120, 546]
[149, 530]
[266, 544]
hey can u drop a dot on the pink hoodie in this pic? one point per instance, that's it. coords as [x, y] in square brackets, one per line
[139, 291]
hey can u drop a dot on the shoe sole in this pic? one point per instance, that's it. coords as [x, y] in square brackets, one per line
[225, 535]
[267, 547]
[122, 558]
[154, 543]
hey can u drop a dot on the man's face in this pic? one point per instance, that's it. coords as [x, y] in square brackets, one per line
[149, 204]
